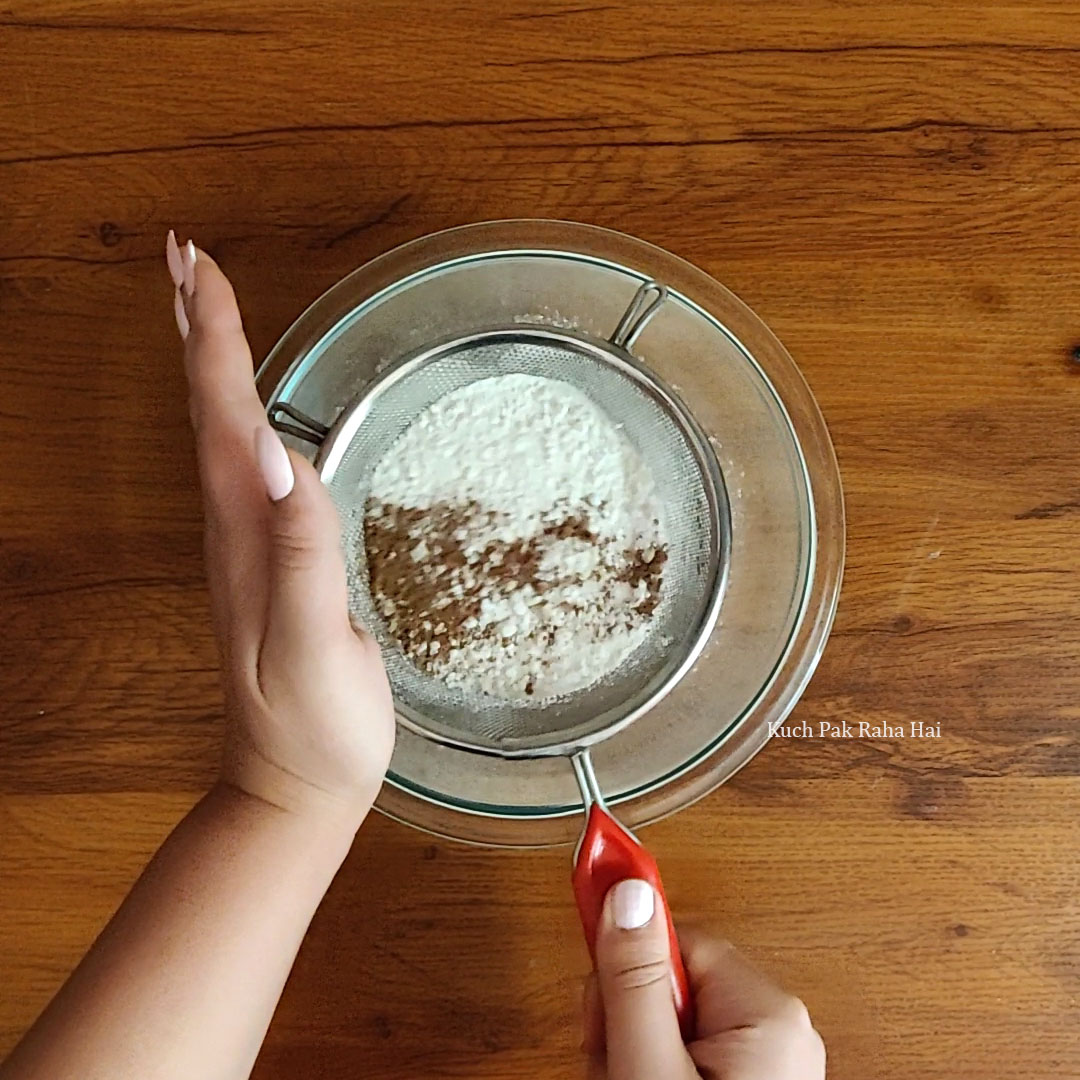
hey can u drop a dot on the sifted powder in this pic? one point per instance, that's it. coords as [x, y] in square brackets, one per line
[513, 540]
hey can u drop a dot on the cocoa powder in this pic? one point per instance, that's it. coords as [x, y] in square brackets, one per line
[429, 583]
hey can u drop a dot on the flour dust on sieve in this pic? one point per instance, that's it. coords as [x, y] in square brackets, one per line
[514, 540]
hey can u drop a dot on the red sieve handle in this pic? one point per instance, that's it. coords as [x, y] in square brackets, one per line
[609, 854]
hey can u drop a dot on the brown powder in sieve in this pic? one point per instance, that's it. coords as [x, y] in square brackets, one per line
[430, 591]
[645, 566]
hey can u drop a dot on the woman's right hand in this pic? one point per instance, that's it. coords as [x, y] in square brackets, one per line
[311, 721]
[747, 1027]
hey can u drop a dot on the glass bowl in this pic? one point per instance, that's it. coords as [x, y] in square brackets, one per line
[787, 518]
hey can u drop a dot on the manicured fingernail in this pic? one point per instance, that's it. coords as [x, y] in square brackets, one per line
[274, 464]
[632, 904]
[172, 259]
[187, 261]
[182, 323]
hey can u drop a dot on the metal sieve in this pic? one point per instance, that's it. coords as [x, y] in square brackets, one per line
[672, 446]
[697, 528]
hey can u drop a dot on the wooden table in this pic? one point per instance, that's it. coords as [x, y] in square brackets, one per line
[894, 189]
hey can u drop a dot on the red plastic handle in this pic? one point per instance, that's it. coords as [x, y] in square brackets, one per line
[608, 855]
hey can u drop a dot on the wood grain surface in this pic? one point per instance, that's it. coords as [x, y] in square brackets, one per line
[892, 187]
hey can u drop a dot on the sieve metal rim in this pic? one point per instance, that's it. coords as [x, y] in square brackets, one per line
[333, 443]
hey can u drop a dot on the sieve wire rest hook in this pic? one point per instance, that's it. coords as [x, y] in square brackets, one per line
[645, 304]
[305, 427]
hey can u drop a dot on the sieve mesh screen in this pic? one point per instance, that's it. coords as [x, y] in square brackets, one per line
[687, 480]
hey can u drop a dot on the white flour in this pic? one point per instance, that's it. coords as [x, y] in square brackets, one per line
[514, 540]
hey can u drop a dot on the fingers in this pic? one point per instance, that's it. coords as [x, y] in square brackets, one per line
[748, 1026]
[225, 408]
[224, 403]
[216, 355]
[308, 596]
[729, 991]
[633, 965]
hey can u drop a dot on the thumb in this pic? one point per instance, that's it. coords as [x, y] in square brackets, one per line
[633, 966]
[307, 571]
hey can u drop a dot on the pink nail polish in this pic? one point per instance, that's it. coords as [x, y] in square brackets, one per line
[274, 464]
[182, 323]
[187, 261]
[632, 904]
[172, 259]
